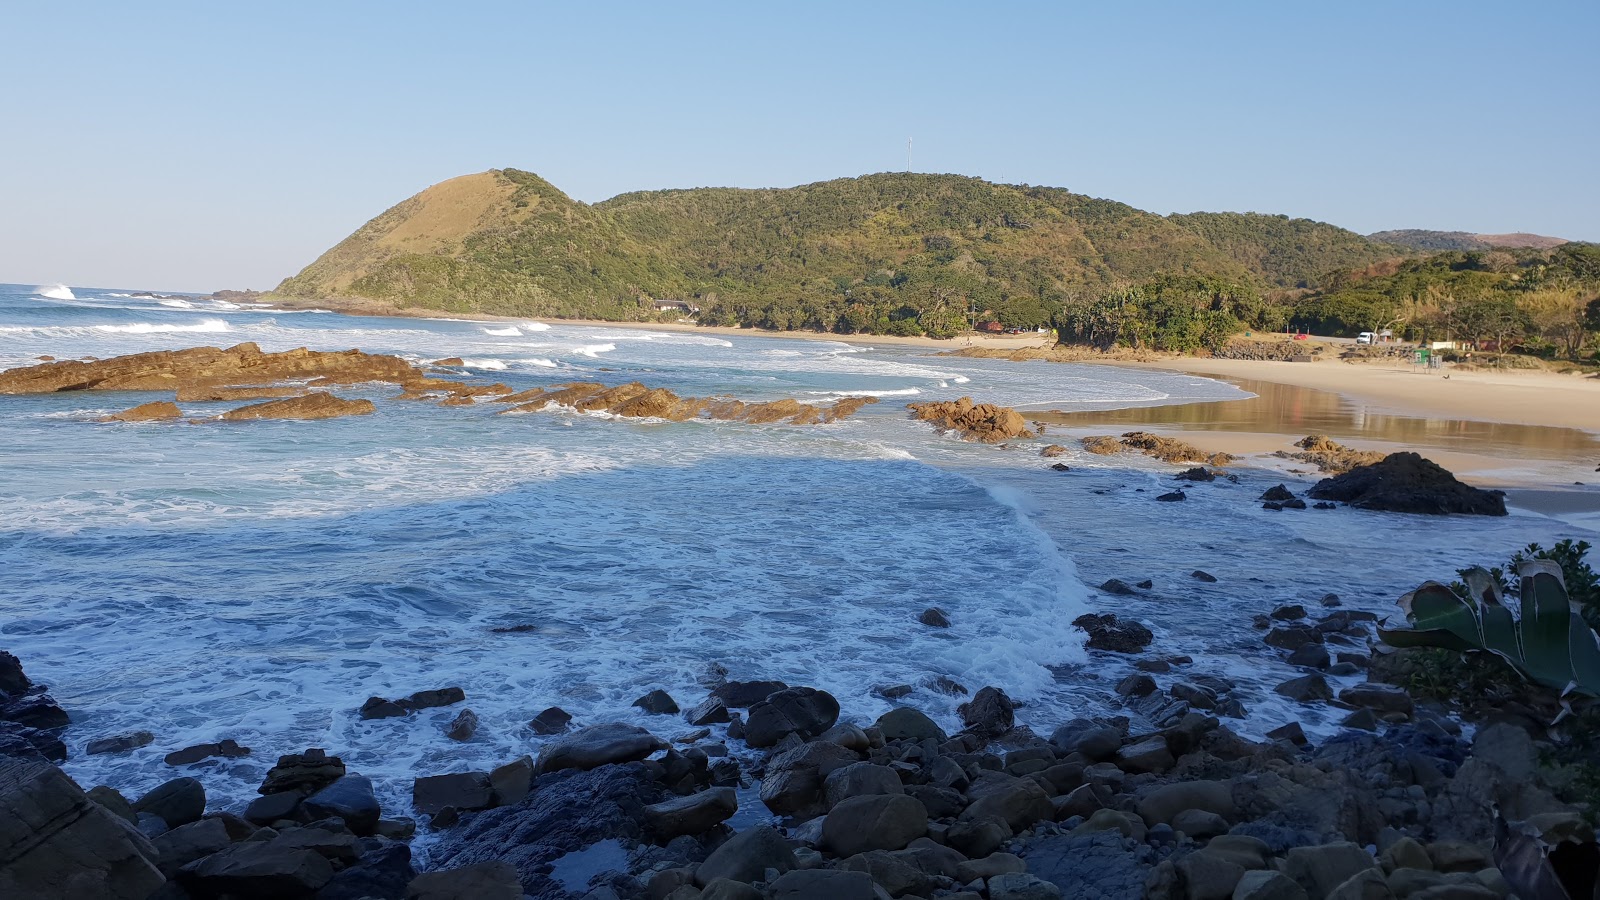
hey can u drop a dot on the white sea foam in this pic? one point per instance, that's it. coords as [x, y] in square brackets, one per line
[541, 363]
[55, 292]
[535, 326]
[867, 392]
[593, 351]
[176, 304]
[208, 325]
[513, 331]
[493, 365]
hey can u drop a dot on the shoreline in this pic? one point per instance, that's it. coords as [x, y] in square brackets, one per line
[1374, 392]
[966, 341]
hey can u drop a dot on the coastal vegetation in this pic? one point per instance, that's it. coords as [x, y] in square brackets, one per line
[892, 253]
[937, 255]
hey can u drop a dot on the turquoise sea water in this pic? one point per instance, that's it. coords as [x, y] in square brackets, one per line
[258, 581]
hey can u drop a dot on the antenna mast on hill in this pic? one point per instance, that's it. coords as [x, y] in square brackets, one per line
[908, 155]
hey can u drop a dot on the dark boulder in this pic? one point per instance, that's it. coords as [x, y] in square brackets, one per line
[793, 783]
[304, 773]
[874, 822]
[564, 812]
[227, 749]
[1203, 576]
[710, 711]
[13, 680]
[1292, 637]
[598, 745]
[57, 842]
[693, 814]
[1405, 482]
[463, 726]
[934, 617]
[273, 807]
[349, 799]
[1118, 587]
[383, 871]
[804, 711]
[747, 856]
[745, 694]
[906, 724]
[1173, 496]
[431, 794]
[489, 880]
[1277, 494]
[1198, 473]
[379, 708]
[989, 714]
[552, 721]
[178, 802]
[433, 699]
[257, 869]
[1306, 689]
[1107, 632]
[121, 743]
[657, 702]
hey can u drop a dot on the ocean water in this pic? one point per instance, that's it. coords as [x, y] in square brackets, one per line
[258, 581]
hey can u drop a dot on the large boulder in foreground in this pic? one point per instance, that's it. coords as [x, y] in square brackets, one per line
[563, 812]
[973, 421]
[1405, 482]
[56, 842]
[598, 745]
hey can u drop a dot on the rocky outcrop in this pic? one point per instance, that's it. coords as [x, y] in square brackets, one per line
[1328, 455]
[1154, 445]
[210, 394]
[147, 412]
[315, 405]
[1108, 632]
[29, 717]
[1405, 482]
[203, 367]
[564, 812]
[636, 401]
[56, 842]
[984, 422]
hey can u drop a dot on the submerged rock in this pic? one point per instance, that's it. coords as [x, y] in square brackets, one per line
[315, 405]
[147, 412]
[1107, 632]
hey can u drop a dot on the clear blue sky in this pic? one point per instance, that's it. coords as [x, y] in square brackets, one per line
[196, 146]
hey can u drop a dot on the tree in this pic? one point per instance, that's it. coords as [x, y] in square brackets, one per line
[1560, 316]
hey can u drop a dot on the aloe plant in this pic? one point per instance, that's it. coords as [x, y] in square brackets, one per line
[1544, 636]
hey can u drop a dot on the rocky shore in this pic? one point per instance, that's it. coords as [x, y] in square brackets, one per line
[288, 384]
[780, 795]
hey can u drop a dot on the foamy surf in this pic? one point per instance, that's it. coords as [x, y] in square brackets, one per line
[513, 331]
[55, 292]
[207, 326]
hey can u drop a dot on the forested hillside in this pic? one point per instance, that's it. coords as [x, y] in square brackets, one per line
[888, 253]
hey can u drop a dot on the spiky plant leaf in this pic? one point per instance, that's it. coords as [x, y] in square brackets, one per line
[1434, 606]
[1546, 624]
[1584, 650]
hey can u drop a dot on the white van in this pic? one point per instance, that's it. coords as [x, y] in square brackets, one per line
[1364, 337]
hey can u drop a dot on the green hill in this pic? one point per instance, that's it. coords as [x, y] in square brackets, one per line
[1287, 252]
[1422, 239]
[896, 253]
